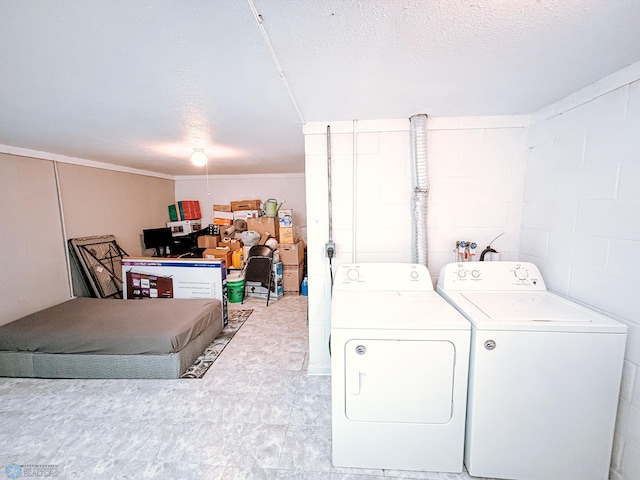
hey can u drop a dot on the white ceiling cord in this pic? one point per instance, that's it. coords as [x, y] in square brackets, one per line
[206, 166]
[259, 21]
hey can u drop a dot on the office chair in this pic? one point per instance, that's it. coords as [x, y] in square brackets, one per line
[259, 268]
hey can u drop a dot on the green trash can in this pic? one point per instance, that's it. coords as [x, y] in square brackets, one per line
[235, 288]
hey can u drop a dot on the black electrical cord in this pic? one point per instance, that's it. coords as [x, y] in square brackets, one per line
[489, 249]
[331, 272]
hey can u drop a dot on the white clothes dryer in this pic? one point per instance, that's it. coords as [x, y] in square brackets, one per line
[399, 364]
[544, 375]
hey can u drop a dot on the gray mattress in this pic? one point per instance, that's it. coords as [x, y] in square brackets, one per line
[110, 338]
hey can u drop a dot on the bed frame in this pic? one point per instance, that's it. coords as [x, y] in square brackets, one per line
[57, 365]
[43, 344]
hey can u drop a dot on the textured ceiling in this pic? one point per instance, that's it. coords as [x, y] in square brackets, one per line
[141, 83]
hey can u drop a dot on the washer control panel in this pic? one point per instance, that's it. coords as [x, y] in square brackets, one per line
[483, 276]
[382, 276]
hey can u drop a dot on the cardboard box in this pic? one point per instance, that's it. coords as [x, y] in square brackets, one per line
[245, 205]
[232, 243]
[291, 254]
[264, 238]
[292, 277]
[208, 241]
[222, 208]
[286, 235]
[285, 217]
[220, 217]
[264, 225]
[244, 214]
[222, 221]
[150, 277]
[218, 253]
[184, 227]
[254, 289]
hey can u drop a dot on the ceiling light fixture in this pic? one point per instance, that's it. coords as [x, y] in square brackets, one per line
[198, 157]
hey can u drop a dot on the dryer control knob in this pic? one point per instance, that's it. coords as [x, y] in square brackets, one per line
[490, 344]
[353, 274]
[462, 273]
[521, 273]
[475, 273]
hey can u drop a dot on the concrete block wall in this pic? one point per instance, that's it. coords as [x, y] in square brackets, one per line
[562, 184]
[476, 170]
[581, 221]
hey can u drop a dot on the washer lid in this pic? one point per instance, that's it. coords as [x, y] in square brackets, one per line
[532, 310]
[394, 310]
[519, 306]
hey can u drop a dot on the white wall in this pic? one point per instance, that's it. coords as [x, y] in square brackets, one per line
[223, 189]
[581, 221]
[563, 185]
[476, 169]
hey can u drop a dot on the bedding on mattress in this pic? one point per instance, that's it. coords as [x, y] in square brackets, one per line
[112, 326]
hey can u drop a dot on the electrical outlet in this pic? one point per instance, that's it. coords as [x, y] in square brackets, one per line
[330, 249]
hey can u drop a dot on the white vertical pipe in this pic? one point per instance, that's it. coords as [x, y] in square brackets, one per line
[64, 229]
[418, 131]
[330, 200]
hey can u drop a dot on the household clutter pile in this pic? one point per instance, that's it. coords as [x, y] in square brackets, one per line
[236, 228]
[185, 218]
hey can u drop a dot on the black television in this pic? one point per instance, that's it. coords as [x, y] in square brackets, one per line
[158, 238]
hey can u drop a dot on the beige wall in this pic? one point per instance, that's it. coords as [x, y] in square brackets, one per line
[32, 253]
[105, 202]
[95, 202]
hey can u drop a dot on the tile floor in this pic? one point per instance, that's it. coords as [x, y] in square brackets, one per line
[256, 414]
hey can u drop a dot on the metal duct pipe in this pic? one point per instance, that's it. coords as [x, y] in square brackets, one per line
[418, 130]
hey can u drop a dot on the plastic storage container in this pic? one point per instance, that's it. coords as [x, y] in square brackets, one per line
[235, 288]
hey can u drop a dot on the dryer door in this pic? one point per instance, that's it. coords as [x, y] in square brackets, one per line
[400, 381]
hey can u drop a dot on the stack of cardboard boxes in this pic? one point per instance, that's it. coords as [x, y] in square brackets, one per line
[291, 252]
[225, 243]
[266, 227]
[229, 221]
[222, 215]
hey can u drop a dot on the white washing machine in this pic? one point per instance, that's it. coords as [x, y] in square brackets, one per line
[544, 375]
[399, 364]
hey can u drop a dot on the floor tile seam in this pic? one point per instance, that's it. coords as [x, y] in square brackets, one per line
[284, 440]
[288, 424]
